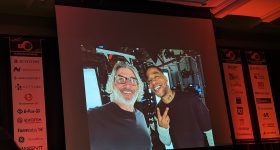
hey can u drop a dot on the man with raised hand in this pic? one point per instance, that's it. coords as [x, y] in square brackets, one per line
[185, 117]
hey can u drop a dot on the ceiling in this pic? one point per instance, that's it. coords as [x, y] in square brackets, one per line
[256, 16]
[260, 16]
[266, 10]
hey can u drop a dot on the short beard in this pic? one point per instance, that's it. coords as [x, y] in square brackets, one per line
[117, 96]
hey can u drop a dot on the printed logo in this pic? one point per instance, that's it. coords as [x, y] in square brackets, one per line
[240, 110]
[233, 76]
[32, 148]
[230, 55]
[27, 130]
[21, 139]
[255, 56]
[40, 129]
[19, 120]
[16, 69]
[28, 97]
[238, 100]
[29, 111]
[26, 45]
[266, 115]
[28, 86]
[18, 87]
[258, 76]
[32, 120]
[26, 78]
[29, 61]
[20, 111]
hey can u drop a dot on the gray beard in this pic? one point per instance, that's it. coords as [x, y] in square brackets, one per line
[117, 96]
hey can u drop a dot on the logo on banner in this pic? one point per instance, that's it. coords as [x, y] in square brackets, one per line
[28, 97]
[255, 56]
[240, 110]
[266, 115]
[18, 87]
[29, 120]
[263, 100]
[16, 69]
[26, 45]
[29, 61]
[19, 120]
[238, 100]
[27, 130]
[39, 129]
[33, 120]
[234, 80]
[26, 78]
[32, 148]
[30, 111]
[20, 111]
[233, 76]
[230, 55]
[21, 139]
[28, 86]
[258, 76]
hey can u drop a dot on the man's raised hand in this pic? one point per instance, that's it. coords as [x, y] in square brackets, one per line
[163, 120]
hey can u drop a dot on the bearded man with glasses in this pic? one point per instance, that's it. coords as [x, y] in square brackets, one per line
[118, 125]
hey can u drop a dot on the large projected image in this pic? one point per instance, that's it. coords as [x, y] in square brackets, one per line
[165, 72]
[141, 81]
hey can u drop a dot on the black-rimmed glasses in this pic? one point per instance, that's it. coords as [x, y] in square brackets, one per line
[121, 80]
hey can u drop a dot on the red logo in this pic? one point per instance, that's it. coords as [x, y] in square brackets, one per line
[28, 97]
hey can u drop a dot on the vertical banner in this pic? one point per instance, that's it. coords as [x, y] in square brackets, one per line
[237, 96]
[28, 94]
[262, 95]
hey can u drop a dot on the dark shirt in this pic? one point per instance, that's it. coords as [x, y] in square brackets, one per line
[189, 117]
[114, 128]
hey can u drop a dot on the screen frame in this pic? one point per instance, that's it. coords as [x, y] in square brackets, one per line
[76, 119]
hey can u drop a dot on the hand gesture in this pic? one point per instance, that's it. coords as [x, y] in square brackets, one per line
[163, 120]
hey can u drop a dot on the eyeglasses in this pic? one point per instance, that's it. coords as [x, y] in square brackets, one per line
[121, 80]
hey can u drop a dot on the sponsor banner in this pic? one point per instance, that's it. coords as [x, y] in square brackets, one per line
[28, 94]
[237, 95]
[262, 95]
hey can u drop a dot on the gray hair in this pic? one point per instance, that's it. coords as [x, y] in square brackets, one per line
[122, 64]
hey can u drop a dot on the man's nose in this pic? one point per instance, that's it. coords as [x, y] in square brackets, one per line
[151, 83]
